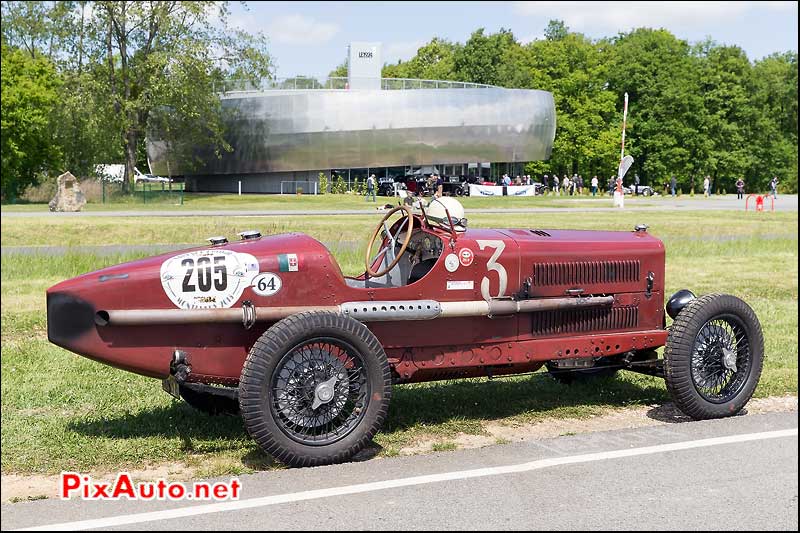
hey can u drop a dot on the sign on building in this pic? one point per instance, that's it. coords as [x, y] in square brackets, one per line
[364, 65]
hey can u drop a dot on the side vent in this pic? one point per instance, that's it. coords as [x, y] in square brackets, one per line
[568, 321]
[540, 233]
[585, 273]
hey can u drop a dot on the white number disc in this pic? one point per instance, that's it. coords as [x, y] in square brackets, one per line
[267, 284]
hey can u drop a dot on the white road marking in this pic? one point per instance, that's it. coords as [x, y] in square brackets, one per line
[115, 521]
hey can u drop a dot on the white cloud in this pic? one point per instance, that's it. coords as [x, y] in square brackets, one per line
[300, 30]
[404, 50]
[622, 16]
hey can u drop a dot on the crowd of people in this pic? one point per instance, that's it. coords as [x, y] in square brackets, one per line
[575, 185]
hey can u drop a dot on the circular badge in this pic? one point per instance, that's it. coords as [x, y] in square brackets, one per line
[207, 279]
[451, 262]
[465, 256]
[267, 284]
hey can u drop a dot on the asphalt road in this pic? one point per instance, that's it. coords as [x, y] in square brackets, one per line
[784, 203]
[738, 473]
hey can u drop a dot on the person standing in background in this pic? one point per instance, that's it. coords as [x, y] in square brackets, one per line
[371, 187]
[594, 185]
[706, 186]
[773, 185]
[546, 183]
[439, 186]
[739, 189]
[673, 183]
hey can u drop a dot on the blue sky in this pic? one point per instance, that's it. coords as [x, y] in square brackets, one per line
[310, 38]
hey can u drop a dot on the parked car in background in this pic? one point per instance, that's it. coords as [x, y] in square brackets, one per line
[387, 186]
[644, 190]
[116, 173]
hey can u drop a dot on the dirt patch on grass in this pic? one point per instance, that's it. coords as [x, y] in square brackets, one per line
[15, 487]
[33, 487]
[649, 415]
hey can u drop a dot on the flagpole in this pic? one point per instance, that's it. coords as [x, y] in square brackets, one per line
[624, 120]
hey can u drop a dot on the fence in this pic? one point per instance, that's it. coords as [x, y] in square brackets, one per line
[143, 193]
[339, 83]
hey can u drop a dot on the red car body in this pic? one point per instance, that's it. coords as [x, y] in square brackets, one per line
[519, 263]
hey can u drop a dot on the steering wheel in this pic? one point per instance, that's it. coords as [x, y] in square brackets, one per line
[392, 240]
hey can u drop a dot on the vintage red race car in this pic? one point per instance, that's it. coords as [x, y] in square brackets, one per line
[269, 327]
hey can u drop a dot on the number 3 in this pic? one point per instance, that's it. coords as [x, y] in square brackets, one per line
[492, 264]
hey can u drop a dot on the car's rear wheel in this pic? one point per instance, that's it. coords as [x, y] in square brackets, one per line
[714, 356]
[315, 389]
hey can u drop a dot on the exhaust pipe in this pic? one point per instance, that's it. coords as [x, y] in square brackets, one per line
[381, 311]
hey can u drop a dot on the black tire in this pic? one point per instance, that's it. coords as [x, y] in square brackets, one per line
[703, 340]
[301, 353]
[217, 402]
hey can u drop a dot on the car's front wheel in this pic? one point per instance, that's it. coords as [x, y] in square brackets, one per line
[315, 388]
[713, 357]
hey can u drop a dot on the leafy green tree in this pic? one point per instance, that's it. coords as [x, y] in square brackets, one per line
[166, 55]
[433, 61]
[724, 81]
[667, 117]
[773, 140]
[479, 60]
[340, 71]
[29, 96]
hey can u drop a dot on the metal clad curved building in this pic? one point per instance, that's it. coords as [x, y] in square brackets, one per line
[285, 134]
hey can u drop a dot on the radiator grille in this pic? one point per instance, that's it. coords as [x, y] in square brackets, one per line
[547, 323]
[540, 233]
[585, 273]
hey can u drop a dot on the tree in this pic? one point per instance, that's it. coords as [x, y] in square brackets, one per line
[340, 71]
[479, 59]
[667, 116]
[574, 69]
[433, 61]
[133, 68]
[167, 55]
[28, 98]
[773, 141]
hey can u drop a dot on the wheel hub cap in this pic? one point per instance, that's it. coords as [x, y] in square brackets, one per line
[324, 392]
[729, 359]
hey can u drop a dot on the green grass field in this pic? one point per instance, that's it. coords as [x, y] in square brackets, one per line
[289, 202]
[63, 412]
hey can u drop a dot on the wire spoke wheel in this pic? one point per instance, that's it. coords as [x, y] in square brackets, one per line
[714, 356]
[315, 388]
[720, 359]
[319, 391]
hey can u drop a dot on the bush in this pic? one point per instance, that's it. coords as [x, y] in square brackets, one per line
[40, 193]
[92, 189]
[323, 183]
[339, 186]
